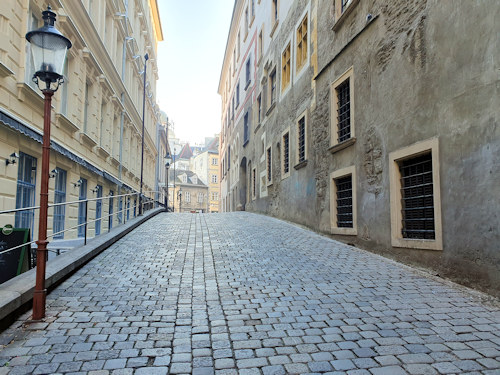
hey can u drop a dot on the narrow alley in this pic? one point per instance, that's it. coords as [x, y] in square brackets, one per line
[195, 293]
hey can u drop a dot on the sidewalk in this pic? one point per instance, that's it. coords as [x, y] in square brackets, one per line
[19, 291]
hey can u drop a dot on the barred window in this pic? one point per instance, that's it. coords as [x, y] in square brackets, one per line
[269, 164]
[344, 111]
[417, 197]
[344, 201]
[302, 139]
[286, 153]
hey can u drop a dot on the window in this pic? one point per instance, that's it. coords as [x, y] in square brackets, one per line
[59, 197]
[342, 9]
[246, 132]
[64, 89]
[86, 109]
[82, 212]
[237, 95]
[194, 180]
[98, 210]
[254, 183]
[120, 209]
[269, 166]
[285, 169]
[33, 24]
[25, 195]
[274, 11]
[184, 179]
[215, 196]
[247, 21]
[302, 44]
[247, 73]
[342, 105]
[253, 8]
[215, 161]
[259, 109]
[260, 46]
[343, 201]
[214, 179]
[110, 222]
[272, 87]
[415, 196]
[285, 68]
[200, 197]
[239, 45]
[301, 140]
[187, 197]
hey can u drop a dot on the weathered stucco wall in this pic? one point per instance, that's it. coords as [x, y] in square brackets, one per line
[423, 69]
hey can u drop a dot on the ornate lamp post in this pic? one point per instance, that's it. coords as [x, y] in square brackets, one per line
[168, 160]
[180, 200]
[48, 47]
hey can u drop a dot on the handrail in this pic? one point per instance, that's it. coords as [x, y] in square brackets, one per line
[120, 214]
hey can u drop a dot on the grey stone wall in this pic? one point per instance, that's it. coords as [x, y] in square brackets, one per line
[422, 69]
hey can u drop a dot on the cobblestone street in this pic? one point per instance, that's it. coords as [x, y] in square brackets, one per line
[240, 293]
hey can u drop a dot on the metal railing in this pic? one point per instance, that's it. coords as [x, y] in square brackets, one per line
[122, 215]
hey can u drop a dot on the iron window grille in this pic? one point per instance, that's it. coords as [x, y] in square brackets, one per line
[344, 201]
[269, 174]
[273, 87]
[254, 183]
[25, 197]
[247, 73]
[59, 197]
[417, 198]
[286, 153]
[302, 139]
[344, 111]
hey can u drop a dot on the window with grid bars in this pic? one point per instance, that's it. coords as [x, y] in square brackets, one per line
[302, 44]
[59, 197]
[344, 111]
[285, 67]
[344, 201]
[246, 132]
[269, 174]
[254, 183]
[286, 153]
[301, 133]
[272, 80]
[417, 199]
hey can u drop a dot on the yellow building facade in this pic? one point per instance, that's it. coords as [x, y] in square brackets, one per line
[96, 128]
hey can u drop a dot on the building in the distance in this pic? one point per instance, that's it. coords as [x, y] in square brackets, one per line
[373, 121]
[206, 167]
[96, 116]
[189, 194]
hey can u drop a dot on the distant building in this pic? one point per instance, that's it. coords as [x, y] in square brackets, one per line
[373, 121]
[190, 194]
[206, 166]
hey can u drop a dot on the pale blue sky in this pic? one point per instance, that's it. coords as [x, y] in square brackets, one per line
[189, 64]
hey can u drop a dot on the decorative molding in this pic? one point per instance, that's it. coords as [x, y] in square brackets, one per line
[87, 139]
[27, 93]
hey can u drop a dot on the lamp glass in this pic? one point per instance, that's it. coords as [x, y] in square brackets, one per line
[49, 52]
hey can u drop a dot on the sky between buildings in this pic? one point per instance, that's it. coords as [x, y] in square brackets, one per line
[189, 64]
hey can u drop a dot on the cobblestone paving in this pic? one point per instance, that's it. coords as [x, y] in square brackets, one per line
[246, 294]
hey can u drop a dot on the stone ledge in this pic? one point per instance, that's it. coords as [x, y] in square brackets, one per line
[18, 291]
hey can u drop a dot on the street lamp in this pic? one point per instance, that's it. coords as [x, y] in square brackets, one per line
[175, 177]
[48, 47]
[180, 200]
[146, 57]
[168, 160]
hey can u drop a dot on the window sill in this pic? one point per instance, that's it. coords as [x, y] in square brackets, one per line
[340, 146]
[301, 165]
[66, 124]
[273, 29]
[245, 37]
[102, 151]
[344, 231]
[251, 22]
[344, 15]
[27, 93]
[4, 70]
[257, 127]
[271, 109]
[417, 244]
[85, 138]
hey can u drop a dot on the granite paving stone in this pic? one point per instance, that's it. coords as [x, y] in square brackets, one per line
[244, 294]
